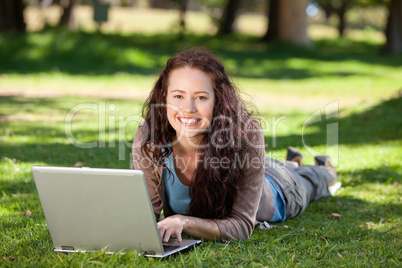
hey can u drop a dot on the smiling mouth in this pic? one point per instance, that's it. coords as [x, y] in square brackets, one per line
[189, 120]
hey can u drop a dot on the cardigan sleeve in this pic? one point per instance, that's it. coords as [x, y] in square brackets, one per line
[240, 224]
[150, 169]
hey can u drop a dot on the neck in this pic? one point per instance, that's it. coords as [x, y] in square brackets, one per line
[186, 145]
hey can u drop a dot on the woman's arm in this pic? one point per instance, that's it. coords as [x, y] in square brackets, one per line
[240, 223]
[151, 171]
[193, 226]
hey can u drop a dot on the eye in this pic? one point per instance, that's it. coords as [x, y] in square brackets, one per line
[202, 97]
[177, 96]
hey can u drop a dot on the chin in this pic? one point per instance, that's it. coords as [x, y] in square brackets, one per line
[191, 135]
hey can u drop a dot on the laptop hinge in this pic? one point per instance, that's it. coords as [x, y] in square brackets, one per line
[67, 248]
[149, 252]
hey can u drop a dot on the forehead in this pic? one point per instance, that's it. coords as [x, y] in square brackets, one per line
[187, 78]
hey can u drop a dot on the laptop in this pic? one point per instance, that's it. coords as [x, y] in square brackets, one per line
[91, 209]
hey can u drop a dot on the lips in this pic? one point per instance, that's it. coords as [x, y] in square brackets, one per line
[189, 121]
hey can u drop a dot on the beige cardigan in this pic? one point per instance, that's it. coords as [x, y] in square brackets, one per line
[253, 203]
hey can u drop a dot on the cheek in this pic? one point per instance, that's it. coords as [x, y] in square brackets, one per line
[208, 111]
[171, 113]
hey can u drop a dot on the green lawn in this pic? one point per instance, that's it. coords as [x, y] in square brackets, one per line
[288, 86]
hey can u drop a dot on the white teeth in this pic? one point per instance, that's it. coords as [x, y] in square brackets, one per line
[188, 121]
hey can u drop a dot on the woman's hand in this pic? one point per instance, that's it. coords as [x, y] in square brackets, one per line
[171, 226]
[193, 226]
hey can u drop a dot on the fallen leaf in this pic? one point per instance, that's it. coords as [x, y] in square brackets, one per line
[9, 258]
[18, 195]
[79, 164]
[28, 213]
[369, 224]
[336, 215]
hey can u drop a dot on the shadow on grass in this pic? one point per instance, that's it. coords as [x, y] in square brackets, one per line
[81, 53]
[32, 105]
[386, 174]
[382, 122]
[61, 106]
[56, 154]
[349, 230]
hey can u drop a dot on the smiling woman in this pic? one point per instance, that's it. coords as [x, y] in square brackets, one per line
[190, 103]
[203, 157]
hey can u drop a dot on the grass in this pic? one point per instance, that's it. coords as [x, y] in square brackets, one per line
[46, 74]
[54, 63]
[369, 167]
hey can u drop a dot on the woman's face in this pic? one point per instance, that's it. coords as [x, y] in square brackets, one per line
[190, 102]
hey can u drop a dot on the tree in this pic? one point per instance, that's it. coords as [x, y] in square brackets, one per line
[164, 4]
[182, 7]
[339, 7]
[273, 21]
[288, 20]
[182, 16]
[67, 17]
[12, 15]
[393, 31]
[228, 17]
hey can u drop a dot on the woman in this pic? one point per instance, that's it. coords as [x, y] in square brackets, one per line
[203, 157]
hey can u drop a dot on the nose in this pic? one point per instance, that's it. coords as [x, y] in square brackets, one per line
[189, 106]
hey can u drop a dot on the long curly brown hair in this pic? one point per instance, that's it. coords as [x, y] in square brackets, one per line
[214, 187]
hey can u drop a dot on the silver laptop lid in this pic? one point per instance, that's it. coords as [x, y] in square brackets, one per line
[90, 209]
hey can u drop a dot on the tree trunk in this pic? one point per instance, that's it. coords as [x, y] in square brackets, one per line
[12, 16]
[67, 18]
[293, 22]
[228, 17]
[273, 21]
[393, 32]
[182, 17]
[328, 10]
[341, 11]
[163, 4]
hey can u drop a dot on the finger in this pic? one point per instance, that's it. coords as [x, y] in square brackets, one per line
[178, 237]
[167, 235]
[161, 231]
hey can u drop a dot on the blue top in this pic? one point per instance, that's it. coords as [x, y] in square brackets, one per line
[177, 194]
[278, 200]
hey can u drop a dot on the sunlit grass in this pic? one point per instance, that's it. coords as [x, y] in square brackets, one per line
[367, 233]
[58, 63]
[62, 89]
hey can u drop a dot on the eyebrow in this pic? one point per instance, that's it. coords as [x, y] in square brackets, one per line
[182, 91]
